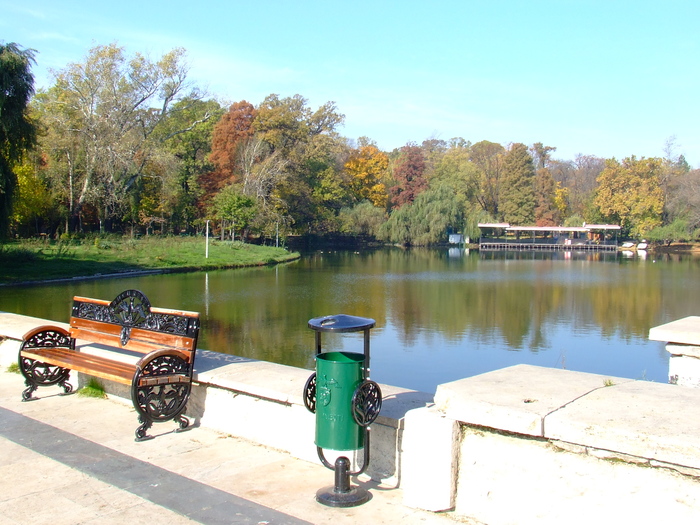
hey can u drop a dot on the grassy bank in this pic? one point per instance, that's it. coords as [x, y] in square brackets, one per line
[38, 260]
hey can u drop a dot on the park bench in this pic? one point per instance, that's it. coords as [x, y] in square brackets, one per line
[106, 340]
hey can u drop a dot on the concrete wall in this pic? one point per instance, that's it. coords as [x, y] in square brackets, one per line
[521, 444]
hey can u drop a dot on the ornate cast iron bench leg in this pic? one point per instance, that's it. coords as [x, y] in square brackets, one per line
[35, 372]
[160, 390]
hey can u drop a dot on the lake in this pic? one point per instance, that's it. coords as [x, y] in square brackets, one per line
[441, 314]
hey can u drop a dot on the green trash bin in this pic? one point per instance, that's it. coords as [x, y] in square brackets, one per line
[338, 374]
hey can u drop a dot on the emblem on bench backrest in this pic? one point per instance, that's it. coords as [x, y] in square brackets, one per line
[132, 308]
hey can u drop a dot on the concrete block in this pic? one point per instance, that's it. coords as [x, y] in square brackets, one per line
[511, 479]
[650, 420]
[685, 331]
[683, 350]
[515, 399]
[429, 460]
[684, 370]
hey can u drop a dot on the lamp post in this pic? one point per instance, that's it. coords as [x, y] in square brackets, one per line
[206, 251]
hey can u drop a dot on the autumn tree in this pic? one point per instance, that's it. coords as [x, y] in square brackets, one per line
[17, 131]
[313, 189]
[577, 181]
[228, 139]
[546, 208]
[517, 195]
[488, 157]
[367, 167]
[629, 194]
[409, 174]
[103, 115]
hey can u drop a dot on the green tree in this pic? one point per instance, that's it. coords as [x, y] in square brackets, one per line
[517, 195]
[232, 206]
[189, 127]
[488, 157]
[104, 117]
[629, 194]
[17, 131]
[362, 219]
[33, 203]
[312, 190]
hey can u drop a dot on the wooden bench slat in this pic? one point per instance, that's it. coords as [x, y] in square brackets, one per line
[138, 336]
[83, 362]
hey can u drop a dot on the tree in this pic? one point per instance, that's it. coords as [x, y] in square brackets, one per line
[547, 200]
[629, 193]
[33, 202]
[409, 174]
[17, 131]
[229, 137]
[104, 117]
[232, 206]
[367, 167]
[313, 189]
[362, 219]
[517, 196]
[488, 157]
[578, 179]
[190, 147]
[541, 154]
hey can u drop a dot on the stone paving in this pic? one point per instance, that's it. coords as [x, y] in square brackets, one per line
[73, 460]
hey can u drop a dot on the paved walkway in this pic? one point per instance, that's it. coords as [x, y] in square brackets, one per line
[73, 460]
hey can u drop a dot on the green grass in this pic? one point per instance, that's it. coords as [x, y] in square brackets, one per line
[93, 388]
[13, 368]
[37, 260]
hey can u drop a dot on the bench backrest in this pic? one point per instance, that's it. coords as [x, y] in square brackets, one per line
[129, 322]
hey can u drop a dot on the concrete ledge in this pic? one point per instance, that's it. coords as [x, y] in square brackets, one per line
[649, 420]
[515, 399]
[685, 331]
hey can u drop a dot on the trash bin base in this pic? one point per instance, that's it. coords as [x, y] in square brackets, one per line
[352, 498]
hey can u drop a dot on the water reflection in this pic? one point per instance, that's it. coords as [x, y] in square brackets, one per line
[441, 314]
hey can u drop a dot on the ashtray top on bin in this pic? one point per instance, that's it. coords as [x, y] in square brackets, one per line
[341, 323]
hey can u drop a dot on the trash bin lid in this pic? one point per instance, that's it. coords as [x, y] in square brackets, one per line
[341, 323]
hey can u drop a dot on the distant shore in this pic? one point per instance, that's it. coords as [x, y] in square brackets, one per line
[41, 261]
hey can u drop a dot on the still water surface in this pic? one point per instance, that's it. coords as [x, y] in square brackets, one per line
[441, 314]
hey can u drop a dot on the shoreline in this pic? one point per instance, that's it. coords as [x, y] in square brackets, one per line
[138, 273]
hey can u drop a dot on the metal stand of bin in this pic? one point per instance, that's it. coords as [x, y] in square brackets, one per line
[346, 402]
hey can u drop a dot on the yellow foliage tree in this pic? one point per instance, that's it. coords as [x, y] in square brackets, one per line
[367, 167]
[630, 192]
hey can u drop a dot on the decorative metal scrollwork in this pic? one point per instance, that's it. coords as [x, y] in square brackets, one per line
[366, 403]
[160, 390]
[310, 393]
[49, 339]
[38, 374]
[132, 309]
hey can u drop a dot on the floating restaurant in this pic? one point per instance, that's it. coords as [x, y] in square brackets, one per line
[589, 237]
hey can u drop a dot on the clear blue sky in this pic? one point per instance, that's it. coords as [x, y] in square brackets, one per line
[607, 78]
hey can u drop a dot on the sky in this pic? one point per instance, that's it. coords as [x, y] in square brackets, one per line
[610, 78]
